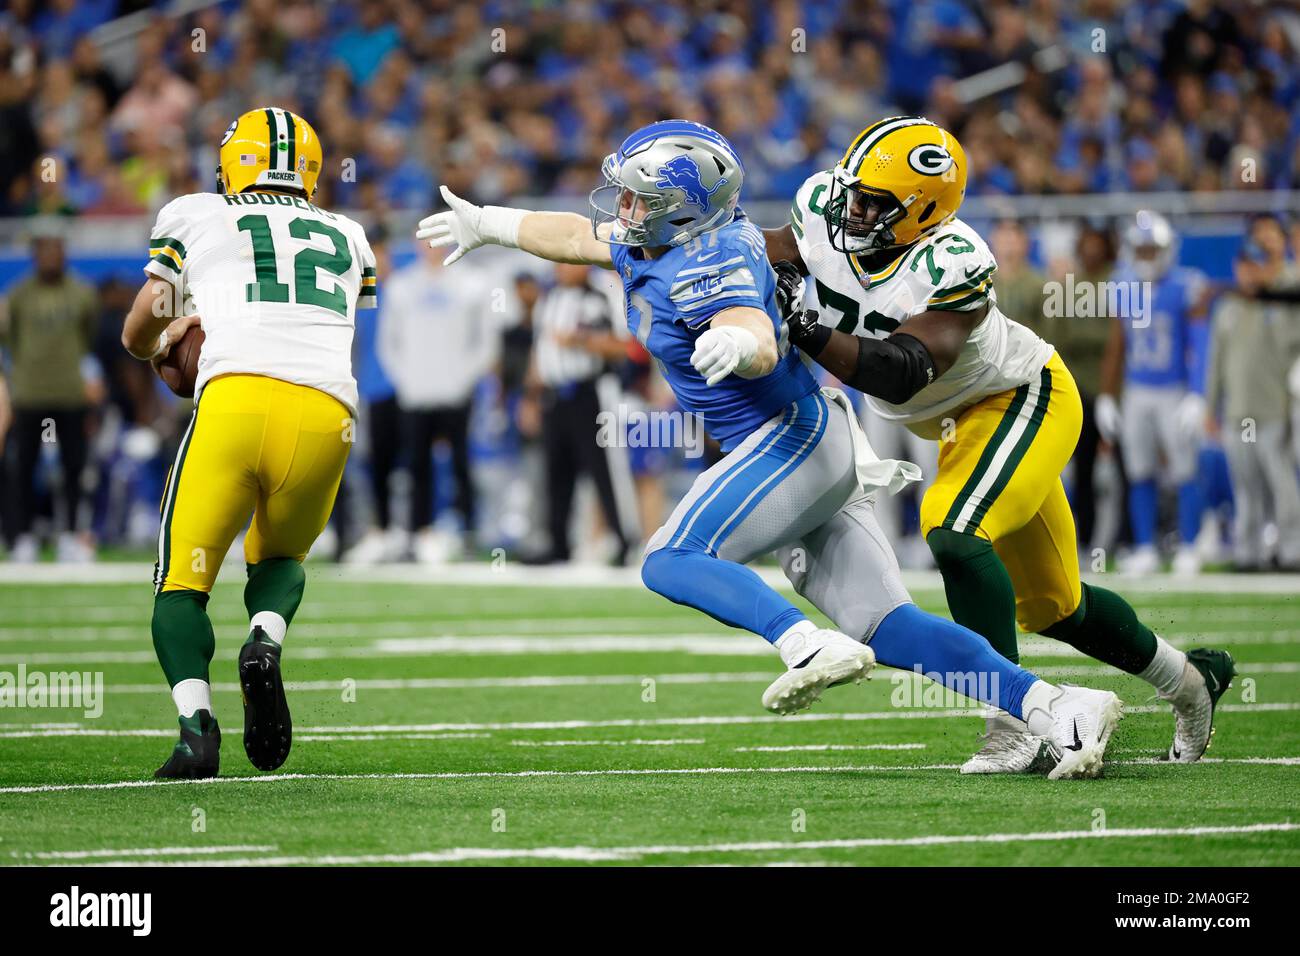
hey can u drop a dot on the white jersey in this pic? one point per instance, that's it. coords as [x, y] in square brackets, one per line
[951, 269]
[276, 280]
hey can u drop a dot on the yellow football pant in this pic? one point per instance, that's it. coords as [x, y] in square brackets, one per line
[999, 477]
[256, 447]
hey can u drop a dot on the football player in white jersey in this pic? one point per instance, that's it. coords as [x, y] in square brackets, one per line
[274, 281]
[899, 303]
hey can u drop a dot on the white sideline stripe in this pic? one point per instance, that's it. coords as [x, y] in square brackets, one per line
[900, 714]
[635, 741]
[476, 683]
[590, 576]
[625, 853]
[822, 747]
[149, 851]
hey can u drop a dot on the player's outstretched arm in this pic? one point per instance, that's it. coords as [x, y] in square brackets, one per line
[557, 236]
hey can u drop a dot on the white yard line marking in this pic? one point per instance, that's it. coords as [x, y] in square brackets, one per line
[491, 645]
[608, 680]
[634, 742]
[724, 720]
[612, 772]
[594, 854]
[1085, 670]
[822, 747]
[479, 683]
[319, 738]
[586, 576]
[338, 626]
[454, 775]
[148, 851]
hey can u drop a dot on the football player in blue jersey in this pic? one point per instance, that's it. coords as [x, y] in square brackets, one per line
[798, 477]
[1160, 414]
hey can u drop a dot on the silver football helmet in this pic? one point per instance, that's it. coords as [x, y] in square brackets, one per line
[1150, 245]
[668, 182]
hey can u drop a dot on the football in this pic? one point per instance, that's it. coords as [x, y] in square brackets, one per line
[180, 369]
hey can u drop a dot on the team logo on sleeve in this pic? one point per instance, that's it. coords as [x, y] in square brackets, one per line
[930, 159]
[682, 173]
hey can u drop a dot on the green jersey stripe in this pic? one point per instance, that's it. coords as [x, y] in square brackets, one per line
[986, 458]
[166, 242]
[970, 283]
[1018, 452]
[166, 260]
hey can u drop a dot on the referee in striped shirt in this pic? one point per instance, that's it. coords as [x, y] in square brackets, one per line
[574, 344]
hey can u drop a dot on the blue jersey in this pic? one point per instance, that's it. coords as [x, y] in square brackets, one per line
[670, 301]
[1158, 352]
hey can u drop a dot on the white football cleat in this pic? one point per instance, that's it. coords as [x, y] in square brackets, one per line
[1207, 675]
[1082, 722]
[1187, 560]
[1009, 747]
[839, 660]
[1142, 561]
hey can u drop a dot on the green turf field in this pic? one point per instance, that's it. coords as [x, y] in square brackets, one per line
[497, 722]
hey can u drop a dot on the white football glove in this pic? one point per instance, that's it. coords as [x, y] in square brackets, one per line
[1106, 411]
[723, 350]
[467, 226]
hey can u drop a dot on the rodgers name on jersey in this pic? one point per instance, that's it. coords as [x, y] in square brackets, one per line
[277, 281]
[949, 270]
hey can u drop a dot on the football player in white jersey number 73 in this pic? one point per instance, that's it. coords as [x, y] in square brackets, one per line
[899, 303]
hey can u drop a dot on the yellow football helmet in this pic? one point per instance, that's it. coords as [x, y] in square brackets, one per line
[269, 147]
[901, 178]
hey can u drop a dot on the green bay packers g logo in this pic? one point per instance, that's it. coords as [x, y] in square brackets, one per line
[930, 159]
[230, 131]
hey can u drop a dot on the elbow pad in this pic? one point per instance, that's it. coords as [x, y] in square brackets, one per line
[893, 369]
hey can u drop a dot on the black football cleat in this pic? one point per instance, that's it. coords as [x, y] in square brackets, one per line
[268, 728]
[197, 755]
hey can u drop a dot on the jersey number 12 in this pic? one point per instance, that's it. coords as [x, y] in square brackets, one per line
[269, 288]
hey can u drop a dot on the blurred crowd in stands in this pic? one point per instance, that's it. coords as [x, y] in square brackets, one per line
[508, 99]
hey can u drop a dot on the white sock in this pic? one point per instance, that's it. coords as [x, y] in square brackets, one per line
[793, 645]
[272, 624]
[192, 694]
[1165, 672]
[1037, 707]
